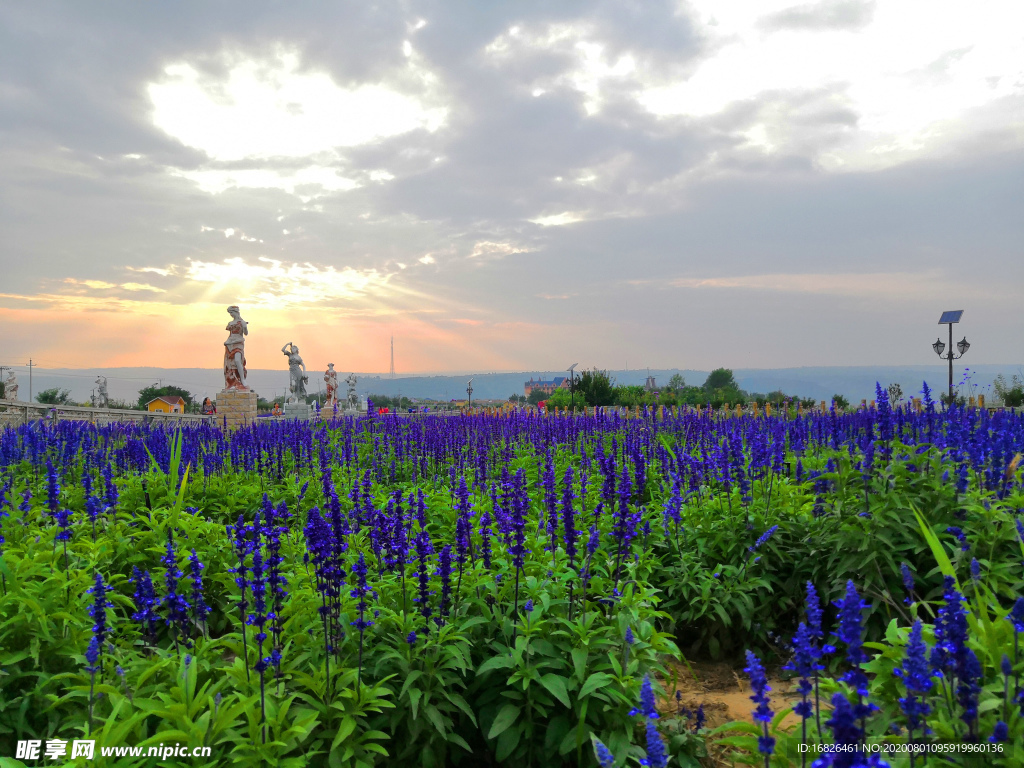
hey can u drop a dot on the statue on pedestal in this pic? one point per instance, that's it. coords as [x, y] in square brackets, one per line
[296, 370]
[11, 386]
[234, 352]
[331, 380]
[102, 401]
[352, 401]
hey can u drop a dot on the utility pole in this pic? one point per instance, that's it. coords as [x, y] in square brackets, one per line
[30, 366]
[392, 357]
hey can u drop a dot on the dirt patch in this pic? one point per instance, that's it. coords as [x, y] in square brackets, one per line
[724, 693]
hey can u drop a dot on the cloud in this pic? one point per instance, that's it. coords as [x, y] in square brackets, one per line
[495, 250]
[314, 181]
[897, 115]
[877, 284]
[273, 107]
[824, 15]
[737, 146]
[558, 219]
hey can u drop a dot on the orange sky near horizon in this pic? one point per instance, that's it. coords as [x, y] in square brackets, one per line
[168, 336]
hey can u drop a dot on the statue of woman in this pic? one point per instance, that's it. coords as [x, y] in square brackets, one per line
[102, 398]
[296, 369]
[331, 380]
[11, 386]
[234, 352]
[353, 398]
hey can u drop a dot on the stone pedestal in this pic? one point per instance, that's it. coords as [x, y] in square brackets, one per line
[299, 411]
[237, 408]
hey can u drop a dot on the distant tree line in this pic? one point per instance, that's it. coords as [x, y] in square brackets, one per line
[597, 388]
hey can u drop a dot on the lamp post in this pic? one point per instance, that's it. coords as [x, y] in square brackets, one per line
[572, 387]
[949, 318]
[469, 391]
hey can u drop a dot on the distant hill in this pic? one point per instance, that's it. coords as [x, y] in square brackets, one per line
[854, 383]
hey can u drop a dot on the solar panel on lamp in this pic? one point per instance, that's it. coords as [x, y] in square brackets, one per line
[951, 316]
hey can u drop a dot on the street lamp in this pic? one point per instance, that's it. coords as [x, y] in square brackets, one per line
[949, 318]
[469, 391]
[572, 387]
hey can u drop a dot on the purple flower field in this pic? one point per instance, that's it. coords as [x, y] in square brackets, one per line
[494, 590]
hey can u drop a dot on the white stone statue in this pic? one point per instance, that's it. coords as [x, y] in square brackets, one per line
[331, 380]
[234, 352]
[11, 386]
[296, 371]
[102, 401]
[352, 400]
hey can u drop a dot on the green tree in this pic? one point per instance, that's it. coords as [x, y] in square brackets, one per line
[720, 378]
[630, 395]
[536, 395]
[562, 398]
[677, 382]
[54, 396]
[147, 394]
[2, 390]
[840, 402]
[597, 387]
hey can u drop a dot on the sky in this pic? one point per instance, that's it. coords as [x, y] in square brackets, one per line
[511, 185]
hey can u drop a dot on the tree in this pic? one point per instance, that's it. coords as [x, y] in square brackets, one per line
[562, 398]
[631, 395]
[2, 390]
[895, 393]
[536, 395]
[149, 393]
[720, 378]
[517, 399]
[597, 387]
[677, 382]
[54, 396]
[840, 402]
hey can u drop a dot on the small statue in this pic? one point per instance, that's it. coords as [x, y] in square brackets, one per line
[331, 379]
[296, 370]
[11, 386]
[352, 399]
[234, 352]
[102, 401]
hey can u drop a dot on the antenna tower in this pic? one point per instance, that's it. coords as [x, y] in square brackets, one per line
[392, 357]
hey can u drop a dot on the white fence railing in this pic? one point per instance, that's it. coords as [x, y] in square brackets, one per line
[18, 412]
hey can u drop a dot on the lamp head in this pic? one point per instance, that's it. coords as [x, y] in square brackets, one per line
[962, 346]
[938, 346]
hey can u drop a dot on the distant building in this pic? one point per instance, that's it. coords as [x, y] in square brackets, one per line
[166, 404]
[650, 385]
[547, 387]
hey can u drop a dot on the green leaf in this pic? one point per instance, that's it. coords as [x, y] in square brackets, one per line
[414, 699]
[595, 681]
[556, 686]
[506, 716]
[435, 717]
[579, 661]
[348, 724]
[495, 662]
[454, 738]
[507, 743]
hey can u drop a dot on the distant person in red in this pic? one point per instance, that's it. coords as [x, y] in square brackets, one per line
[208, 409]
[277, 409]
